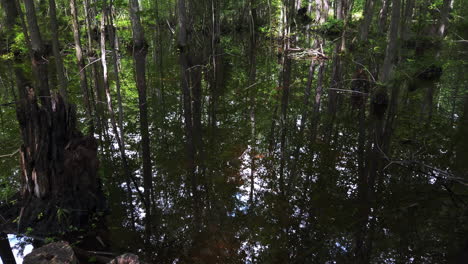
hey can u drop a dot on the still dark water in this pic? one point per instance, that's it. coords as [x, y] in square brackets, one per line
[315, 176]
[318, 181]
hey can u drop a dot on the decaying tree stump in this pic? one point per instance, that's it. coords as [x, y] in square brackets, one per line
[59, 184]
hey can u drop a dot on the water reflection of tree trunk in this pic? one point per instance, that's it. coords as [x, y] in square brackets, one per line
[304, 117]
[6, 254]
[114, 41]
[140, 50]
[315, 119]
[96, 94]
[185, 66]
[253, 95]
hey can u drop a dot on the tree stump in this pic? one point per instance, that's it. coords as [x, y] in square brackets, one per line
[59, 184]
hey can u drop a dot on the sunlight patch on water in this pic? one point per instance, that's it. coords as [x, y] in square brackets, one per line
[20, 248]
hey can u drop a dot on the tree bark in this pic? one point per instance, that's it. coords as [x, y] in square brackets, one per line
[383, 14]
[407, 20]
[39, 62]
[81, 66]
[367, 14]
[392, 44]
[56, 50]
[444, 18]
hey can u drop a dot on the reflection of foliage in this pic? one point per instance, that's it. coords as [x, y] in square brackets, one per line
[22, 242]
[316, 220]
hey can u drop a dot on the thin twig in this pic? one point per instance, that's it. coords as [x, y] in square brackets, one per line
[365, 68]
[89, 64]
[10, 155]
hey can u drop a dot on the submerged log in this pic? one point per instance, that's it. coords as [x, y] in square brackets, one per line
[59, 184]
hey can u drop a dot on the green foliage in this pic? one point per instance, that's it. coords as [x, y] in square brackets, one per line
[62, 215]
[332, 27]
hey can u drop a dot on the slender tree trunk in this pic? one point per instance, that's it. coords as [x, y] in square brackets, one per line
[81, 66]
[444, 18]
[367, 14]
[38, 57]
[383, 14]
[56, 50]
[407, 20]
[392, 44]
[322, 8]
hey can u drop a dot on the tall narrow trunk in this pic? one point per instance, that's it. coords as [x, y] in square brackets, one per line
[39, 61]
[140, 50]
[407, 20]
[392, 44]
[56, 50]
[444, 18]
[367, 14]
[81, 66]
[383, 14]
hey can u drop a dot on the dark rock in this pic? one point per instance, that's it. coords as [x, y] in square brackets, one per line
[126, 259]
[57, 253]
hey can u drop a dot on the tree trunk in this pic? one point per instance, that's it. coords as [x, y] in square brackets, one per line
[367, 14]
[58, 164]
[383, 14]
[39, 62]
[56, 50]
[407, 20]
[81, 66]
[444, 18]
[392, 44]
